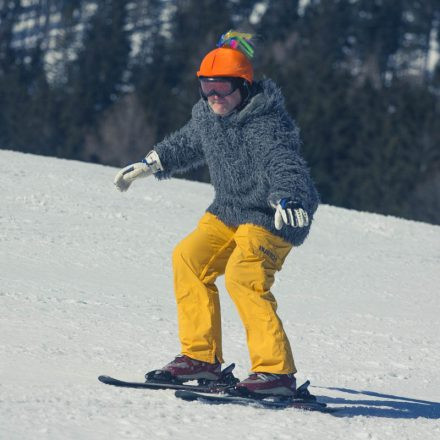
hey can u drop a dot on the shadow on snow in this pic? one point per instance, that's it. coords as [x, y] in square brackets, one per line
[388, 406]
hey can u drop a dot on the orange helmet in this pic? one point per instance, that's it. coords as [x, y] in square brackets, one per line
[227, 62]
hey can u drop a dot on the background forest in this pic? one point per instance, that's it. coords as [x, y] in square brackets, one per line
[104, 80]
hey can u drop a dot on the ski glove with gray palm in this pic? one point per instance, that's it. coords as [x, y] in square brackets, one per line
[288, 212]
[146, 167]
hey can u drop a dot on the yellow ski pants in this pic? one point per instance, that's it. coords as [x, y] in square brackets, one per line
[248, 256]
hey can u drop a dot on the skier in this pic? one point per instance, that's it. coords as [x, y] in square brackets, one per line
[263, 206]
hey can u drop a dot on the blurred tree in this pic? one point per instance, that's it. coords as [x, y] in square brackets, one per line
[9, 84]
[96, 78]
[378, 35]
[123, 131]
[422, 24]
[9, 15]
[24, 91]
[151, 75]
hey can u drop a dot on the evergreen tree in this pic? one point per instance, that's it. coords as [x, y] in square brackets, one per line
[96, 77]
[24, 92]
[151, 76]
[9, 84]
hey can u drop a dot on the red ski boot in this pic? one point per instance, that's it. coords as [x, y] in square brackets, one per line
[184, 368]
[267, 384]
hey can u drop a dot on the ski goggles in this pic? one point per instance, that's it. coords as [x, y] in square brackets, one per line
[219, 86]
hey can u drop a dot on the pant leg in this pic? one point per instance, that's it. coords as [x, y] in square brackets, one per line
[197, 261]
[249, 276]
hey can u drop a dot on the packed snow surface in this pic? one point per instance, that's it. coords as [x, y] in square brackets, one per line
[86, 289]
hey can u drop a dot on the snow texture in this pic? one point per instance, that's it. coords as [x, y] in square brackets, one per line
[86, 289]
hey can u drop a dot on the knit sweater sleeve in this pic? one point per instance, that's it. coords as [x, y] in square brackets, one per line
[180, 152]
[288, 174]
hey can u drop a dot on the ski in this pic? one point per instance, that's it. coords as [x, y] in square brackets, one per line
[222, 391]
[157, 380]
[306, 403]
[268, 402]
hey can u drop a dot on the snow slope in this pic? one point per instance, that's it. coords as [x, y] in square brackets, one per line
[86, 289]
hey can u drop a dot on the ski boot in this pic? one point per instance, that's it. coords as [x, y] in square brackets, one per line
[183, 369]
[267, 384]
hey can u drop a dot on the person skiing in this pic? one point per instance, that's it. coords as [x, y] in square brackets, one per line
[263, 206]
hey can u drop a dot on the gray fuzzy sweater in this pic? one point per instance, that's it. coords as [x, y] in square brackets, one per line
[253, 156]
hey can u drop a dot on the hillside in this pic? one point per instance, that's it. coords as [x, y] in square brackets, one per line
[86, 289]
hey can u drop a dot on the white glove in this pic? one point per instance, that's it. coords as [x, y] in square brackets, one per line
[287, 212]
[148, 166]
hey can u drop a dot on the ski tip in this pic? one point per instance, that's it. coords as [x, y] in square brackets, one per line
[186, 395]
[105, 379]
